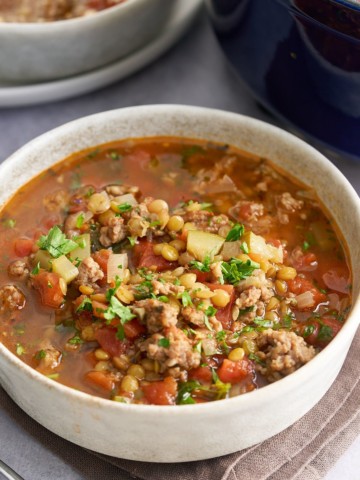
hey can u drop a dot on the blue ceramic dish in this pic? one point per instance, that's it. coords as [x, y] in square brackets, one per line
[301, 59]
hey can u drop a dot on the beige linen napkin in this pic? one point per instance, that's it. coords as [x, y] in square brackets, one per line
[305, 451]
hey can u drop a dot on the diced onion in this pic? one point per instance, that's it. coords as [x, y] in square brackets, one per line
[305, 300]
[209, 346]
[126, 198]
[334, 301]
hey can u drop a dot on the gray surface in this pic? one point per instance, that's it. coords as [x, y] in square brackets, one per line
[193, 72]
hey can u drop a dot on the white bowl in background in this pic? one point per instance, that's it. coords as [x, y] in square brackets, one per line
[189, 432]
[33, 52]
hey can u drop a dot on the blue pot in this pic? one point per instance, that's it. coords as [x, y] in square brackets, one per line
[301, 59]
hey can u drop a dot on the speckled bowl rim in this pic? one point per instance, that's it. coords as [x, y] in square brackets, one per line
[267, 393]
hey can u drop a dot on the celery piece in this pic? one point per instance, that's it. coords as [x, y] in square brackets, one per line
[203, 244]
[258, 245]
[63, 267]
[83, 250]
[43, 258]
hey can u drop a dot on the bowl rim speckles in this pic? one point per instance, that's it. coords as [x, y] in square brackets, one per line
[88, 419]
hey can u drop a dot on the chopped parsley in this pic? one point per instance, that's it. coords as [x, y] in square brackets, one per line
[308, 330]
[132, 241]
[220, 336]
[117, 309]
[201, 266]
[84, 305]
[144, 290]
[197, 347]
[305, 246]
[236, 270]
[164, 342]
[184, 396]
[124, 207]
[56, 243]
[263, 323]
[114, 155]
[76, 340]
[210, 311]
[163, 298]
[207, 323]
[255, 358]
[244, 247]
[9, 223]
[36, 269]
[111, 291]
[40, 354]
[185, 299]
[235, 233]
[205, 206]
[325, 333]
[80, 220]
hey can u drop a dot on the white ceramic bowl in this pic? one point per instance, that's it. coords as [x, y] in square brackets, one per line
[33, 52]
[188, 432]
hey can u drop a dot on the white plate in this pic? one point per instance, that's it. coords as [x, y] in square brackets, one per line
[22, 95]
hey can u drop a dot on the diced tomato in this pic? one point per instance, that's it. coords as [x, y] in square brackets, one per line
[161, 393]
[234, 372]
[23, 247]
[275, 242]
[224, 315]
[202, 277]
[100, 379]
[202, 374]
[133, 329]
[301, 285]
[101, 257]
[303, 262]
[144, 256]
[48, 284]
[110, 343]
[320, 332]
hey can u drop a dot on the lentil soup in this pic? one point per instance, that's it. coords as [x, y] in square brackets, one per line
[168, 271]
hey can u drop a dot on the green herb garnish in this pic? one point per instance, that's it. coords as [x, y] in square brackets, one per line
[236, 270]
[185, 298]
[56, 243]
[308, 330]
[117, 309]
[80, 220]
[40, 354]
[201, 266]
[76, 340]
[84, 305]
[124, 207]
[36, 269]
[164, 342]
[235, 233]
